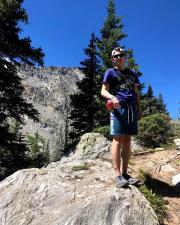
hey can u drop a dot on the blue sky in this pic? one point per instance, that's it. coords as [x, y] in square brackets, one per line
[63, 28]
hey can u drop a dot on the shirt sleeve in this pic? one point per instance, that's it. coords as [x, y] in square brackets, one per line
[106, 78]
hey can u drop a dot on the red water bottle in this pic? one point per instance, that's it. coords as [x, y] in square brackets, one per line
[109, 105]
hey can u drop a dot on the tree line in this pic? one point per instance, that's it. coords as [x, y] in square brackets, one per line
[14, 150]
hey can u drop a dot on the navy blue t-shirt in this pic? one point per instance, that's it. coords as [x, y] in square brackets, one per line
[122, 83]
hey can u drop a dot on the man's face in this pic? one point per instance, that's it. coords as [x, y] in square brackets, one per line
[119, 58]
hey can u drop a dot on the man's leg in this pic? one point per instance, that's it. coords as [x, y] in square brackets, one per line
[126, 152]
[116, 154]
[116, 159]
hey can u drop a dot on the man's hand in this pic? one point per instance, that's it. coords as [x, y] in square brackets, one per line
[115, 102]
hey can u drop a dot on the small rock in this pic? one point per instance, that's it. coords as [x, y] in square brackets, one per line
[176, 180]
[167, 168]
[177, 143]
[159, 149]
[135, 147]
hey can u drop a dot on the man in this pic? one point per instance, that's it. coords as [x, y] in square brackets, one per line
[120, 86]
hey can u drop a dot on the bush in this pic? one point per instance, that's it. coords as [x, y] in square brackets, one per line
[156, 200]
[105, 130]
[154, 130]
[38, 150]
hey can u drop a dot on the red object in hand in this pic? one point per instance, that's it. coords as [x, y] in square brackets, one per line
[109, 105]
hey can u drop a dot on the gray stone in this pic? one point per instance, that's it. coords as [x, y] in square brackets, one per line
[159, 149]
[56, 195]
[176, 180]
[135, 147]
[177, 143]
[167, 168]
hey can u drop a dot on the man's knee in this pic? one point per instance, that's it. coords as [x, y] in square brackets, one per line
[117, 139]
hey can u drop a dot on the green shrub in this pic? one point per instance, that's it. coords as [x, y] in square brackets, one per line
[38, 150]
[154, 130]
[156, 201]
[105, 130]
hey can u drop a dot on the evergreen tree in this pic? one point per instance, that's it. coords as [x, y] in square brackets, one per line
[38, 150]
[14, 156]
[14, 50]
[151, 104]
[110, 36]
[131, 63]
[161, 106]
[83, 103]
[148, 102]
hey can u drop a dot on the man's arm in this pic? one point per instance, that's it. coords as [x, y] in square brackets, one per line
[105, 93]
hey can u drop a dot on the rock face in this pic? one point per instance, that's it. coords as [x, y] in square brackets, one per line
[49, 89]
[57, 196]
[74, 191]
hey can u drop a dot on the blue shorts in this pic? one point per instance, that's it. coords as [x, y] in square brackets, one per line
[124, 121]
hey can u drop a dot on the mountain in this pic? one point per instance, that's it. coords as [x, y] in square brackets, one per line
[48, 89]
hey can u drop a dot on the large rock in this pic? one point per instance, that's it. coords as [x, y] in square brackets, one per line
[91, 146]
[61, 194]
[135, 147]
[49, 90]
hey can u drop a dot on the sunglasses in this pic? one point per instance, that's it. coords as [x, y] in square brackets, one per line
[119, 56]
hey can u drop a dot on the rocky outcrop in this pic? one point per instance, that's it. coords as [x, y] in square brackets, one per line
[91, 146]
[75, 191]
[48, 89]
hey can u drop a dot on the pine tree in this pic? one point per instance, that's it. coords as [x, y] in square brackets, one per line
[148, 102]
[14, 156]
[38, 150]
[151, 104]
[83, 103]
[14, 50]
[110, 37]
[160, 105]
[131, 63]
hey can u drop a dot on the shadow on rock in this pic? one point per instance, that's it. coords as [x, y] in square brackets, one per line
[161, 188]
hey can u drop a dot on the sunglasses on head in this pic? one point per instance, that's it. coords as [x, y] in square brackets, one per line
[119, 56]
